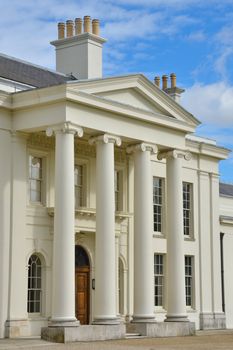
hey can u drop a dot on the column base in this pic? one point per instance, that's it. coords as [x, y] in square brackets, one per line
[162, 329]
[143, 318]
[209, 320]
[83, 333]
[176, 318]
[54, 323]
[107, 321]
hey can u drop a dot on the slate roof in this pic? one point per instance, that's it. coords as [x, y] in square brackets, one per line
[27, 73]
[226, 190]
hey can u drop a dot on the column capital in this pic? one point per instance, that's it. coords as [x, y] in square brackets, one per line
[175, 153]
[105, 138]
[65, 128]
[142, 147]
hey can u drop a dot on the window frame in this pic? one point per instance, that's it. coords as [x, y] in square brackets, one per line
[30, 277]
[86, 186]
[161, 205]
[189, 210]
[163, 277]
[82, 187]
[44, 179]
[192, 284]
[121, 190]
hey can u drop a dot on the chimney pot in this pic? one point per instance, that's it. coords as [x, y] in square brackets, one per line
[78, 26]
[173, 80]
[87, 24]
[96, 27]
[61, 30]
[69, 28]
[157, 81]
[165, 79]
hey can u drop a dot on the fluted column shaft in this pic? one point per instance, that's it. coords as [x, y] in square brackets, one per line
[63, 295]
[176, 304]
[143, 233]
[105, 270]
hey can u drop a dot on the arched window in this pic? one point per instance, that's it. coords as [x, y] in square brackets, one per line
[81, 257]
[34, 284]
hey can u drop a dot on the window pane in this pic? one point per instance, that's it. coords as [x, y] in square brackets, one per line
[34, 284]
[158, 279]
[35, 179]
[187, 207]
[188, 280]
[118, 190]
[157, 203]
[79, 188]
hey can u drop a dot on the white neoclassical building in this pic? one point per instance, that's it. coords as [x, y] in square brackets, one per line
[112, 219]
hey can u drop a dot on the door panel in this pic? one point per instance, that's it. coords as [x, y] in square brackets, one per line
[82, 294]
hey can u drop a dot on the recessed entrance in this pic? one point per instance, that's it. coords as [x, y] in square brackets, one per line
[82, 285]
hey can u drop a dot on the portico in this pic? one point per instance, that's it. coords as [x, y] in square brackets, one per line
[105, 309]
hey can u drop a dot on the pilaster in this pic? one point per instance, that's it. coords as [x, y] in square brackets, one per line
[17, 324]
[5, 207]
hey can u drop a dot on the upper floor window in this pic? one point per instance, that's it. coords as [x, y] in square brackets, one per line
[34, 284]
[35, 179]
[157, 203]
[159, 279]
[79, 181]
[189, 280]
[118, 190]
[187, 208]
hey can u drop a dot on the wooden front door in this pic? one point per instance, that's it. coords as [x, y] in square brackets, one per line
[82, 294]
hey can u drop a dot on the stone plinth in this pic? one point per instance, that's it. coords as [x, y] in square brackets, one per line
[162, 329]
[83, 333]
[212, 321]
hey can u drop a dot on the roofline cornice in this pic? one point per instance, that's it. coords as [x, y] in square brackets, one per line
[5, 100]
[210, 150]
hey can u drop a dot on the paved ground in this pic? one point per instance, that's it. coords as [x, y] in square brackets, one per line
[217, 340]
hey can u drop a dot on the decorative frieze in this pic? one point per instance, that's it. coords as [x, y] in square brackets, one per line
[83, 148]
[40, 140]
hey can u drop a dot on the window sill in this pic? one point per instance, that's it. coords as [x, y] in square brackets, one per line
[160, 310]
[190, 310]
[189, 238]
[36, 204]
[158, 235]
[36, 317]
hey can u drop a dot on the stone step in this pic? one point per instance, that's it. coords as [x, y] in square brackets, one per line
[133, 335]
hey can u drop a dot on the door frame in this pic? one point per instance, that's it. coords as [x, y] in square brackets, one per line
[86, 268]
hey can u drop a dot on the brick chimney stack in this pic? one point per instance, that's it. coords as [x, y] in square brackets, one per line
[173, 90]
[79, 48]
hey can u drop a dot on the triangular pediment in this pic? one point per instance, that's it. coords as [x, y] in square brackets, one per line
[138, 92]
[133, 98]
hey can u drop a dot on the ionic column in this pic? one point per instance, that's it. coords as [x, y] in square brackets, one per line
[105, 273]
[176, 304]
[143, 233]
[63, 294]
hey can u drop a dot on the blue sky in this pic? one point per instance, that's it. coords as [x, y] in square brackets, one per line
[193, 38]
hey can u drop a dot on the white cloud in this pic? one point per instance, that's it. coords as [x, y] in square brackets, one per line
[211, 103]
[197, 36]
